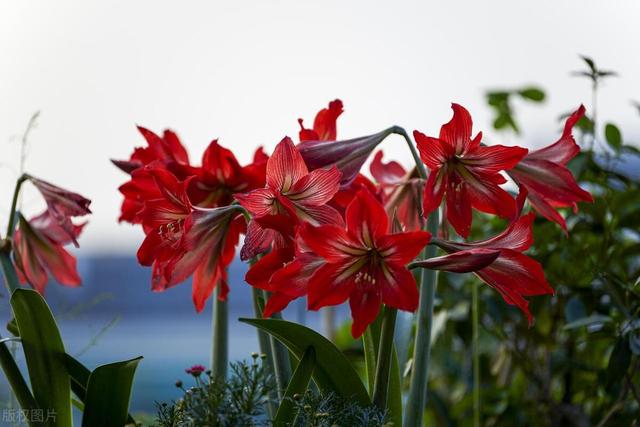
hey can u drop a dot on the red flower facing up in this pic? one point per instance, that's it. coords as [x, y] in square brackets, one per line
[543, 173]
[292, 193]
[221, 176]
[38, 252]
[324, 125]
[513, 274]
[165, 152]
[363, 263]
[466, 173]
[167, 149]
[62, 205]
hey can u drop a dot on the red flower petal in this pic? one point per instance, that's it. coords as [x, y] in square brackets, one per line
[386, 173]
[366, 218]
[457, 132]
[433, 151]
[329, 286]
[365, 305]
[285, 166]
[316, 188]
[493, 159]
[400, 289]
[402, 248]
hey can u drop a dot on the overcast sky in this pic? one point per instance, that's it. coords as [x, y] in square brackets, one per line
[244, 71]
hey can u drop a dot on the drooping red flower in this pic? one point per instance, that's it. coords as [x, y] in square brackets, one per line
[206, 249]
[62, 205]
[549, 183]
[292, 193]
[324, 125]
[39, 253]
[466, 173]
[364, 263]
[513, 274]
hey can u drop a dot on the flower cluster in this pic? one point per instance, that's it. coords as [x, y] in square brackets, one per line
[314, 226]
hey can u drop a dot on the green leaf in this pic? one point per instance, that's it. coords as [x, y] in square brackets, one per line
[532, 94]
[80, 378]
[15, 379]
[618, 361]
[12, 327]
[594, 319]
[298, 385]
[333, 370]
[613, 136]
[44, 353]
[108, 394]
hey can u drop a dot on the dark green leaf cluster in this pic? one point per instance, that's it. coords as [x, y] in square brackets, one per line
[213, 401]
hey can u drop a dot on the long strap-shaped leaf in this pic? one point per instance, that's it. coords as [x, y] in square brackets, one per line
[333, 370]
[16, 380]
[298, 385]
[108, 394]
[44, 353]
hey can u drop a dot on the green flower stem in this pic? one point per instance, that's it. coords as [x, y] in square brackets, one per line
[14, 204]
[281, 360]
[476, 356]
[265, 349]
[220, 338]
[417, 398]
[383, 365]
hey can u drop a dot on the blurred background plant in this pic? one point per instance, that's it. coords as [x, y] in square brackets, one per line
[578, 365]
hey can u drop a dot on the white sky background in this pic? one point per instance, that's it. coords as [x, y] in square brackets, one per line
[244, 71]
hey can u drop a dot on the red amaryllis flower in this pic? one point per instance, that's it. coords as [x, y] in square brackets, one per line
[205, 250]
[363, 263]
[324, 125]
[465, 172]
[221, 176]
[513, 274]
[544, 175]
[163, 217]
[38, 252]
[166, 152]
[291, 192]
[62, 205]
[166, 148]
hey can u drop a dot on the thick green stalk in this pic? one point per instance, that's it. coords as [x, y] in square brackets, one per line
[383, 365]
[265, 349]
[281, 361]
[220, 338]
[417, 399]
[476, 357]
